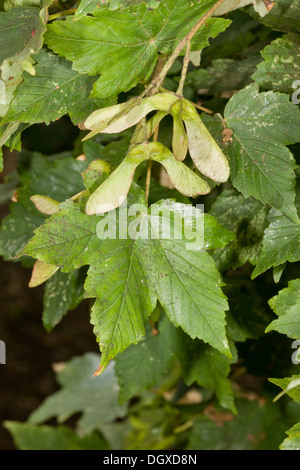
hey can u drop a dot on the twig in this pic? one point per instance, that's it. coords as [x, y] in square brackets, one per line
[206, 110]
[157, 81]
[186, 61]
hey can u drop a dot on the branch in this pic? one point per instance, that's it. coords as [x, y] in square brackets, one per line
[157, 81]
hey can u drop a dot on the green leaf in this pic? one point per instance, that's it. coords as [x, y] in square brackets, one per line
[280, 242]
[39, 176]
[21, 222]
[286, 304]
[63, 292]
[187, 282]
[124, 301]
[141, 366]
[85, 7]
[260, 164]
[284, 16]
[258, 425]
[286, 298]
[96, 398]
[21, 34]
[286, 383]
[292, 442]
[209, 368]
[30, 437]
[281, 67]
[21, 30]
[130, 55]
[55, 90]
[139, 267]
[247, 219]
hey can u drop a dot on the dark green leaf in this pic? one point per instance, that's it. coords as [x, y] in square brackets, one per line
[96, 398]
[261, 165]
[281, 67]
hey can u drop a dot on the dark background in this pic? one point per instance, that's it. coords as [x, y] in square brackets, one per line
[28, 376]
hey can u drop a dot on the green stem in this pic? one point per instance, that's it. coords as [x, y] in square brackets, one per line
[61, 13]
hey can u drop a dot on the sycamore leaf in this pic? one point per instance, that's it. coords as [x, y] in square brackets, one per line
[290, 386]
[284, 16]
[55, 90]
[287, 306]
[96, 398]
[141, 366]
[125, 57]
[187, 283]
[62, 292]
[178, 271]
[247, 219]
[280, 242]
[209, 368]
[281, 67]
[180, 140]
[260, 164]
[41, 272]
[21, 34]
[292, 442]
[286, 298]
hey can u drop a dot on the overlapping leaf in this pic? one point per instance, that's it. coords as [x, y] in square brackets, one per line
[126, 270]
[63, 292]
[261, 165]
[123, 45]
[209, 368]
[223, 75]
[287, 306]
[284, 16]
[96, 398]
[55, 90]
[31, 437]
[247, 219]
[141, 366]
[292, 442]
[21, 34]
[280, 242]
[281, 67]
